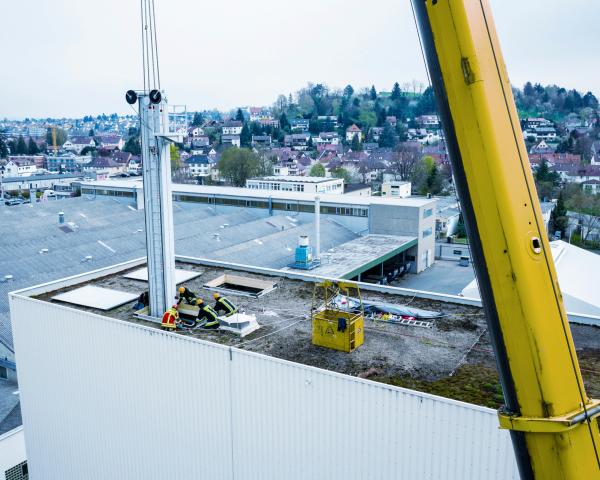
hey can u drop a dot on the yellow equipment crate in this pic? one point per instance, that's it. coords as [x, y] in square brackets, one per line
[338, 330]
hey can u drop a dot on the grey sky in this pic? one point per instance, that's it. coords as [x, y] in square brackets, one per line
[76, 57]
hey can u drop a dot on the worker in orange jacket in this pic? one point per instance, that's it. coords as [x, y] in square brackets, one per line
[170, 319]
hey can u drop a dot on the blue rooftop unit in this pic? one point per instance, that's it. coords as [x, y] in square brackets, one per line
[304, 256]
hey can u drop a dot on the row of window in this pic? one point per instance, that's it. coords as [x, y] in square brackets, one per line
[112, 193]
[287, 206]
[285, 187]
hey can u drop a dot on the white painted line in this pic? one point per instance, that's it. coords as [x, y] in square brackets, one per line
[106, 246]
[131, 208]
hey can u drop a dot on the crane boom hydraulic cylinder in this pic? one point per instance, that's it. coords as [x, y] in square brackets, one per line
[550, 417]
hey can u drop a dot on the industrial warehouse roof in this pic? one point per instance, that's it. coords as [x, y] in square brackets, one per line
[279, 195]
[103, 231]
[358, 256]
[577, 271]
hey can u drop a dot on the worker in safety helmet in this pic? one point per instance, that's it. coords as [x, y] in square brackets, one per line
[185, 294]
[170, 319]
[222, 304]
[207, 317]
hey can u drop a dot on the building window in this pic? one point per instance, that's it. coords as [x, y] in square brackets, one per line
[427, 232]
[3, 373]
[428, 213]
[457, 252]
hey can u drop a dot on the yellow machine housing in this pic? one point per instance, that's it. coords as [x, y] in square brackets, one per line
[333, 326]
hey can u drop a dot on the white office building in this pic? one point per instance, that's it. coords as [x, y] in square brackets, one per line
[291, 183]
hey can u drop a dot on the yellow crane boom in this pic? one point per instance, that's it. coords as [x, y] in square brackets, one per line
[551, 419]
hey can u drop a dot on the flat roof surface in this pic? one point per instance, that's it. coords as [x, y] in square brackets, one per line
[286, 329]
[254, 193]
[357, 256]
[110, 231]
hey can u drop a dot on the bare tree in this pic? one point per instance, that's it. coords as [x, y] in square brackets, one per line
[404, 161]
[584, 209]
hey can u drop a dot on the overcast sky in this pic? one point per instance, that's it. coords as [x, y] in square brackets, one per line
[76, 57]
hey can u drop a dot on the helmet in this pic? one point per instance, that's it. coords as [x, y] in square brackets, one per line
[175, 306]
[216, 295]
[181, 289]
[199, 301]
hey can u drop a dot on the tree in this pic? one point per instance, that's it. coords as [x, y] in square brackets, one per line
[133, 146]
[245, 136]
[404, 162]
[89, 149]
[3, 148]
[559, 221]
[175, 157]
[356, 146]
[373, 93]
[348, 91]
[528, 90]
[21, 147]
[433, 184]
[584, 208]
[32, 148]
[91, 133]
[341, 172]
[396, 92]
[317, 170]
[61, 136]
[284, 124]
[265, 164]
[238, 165]
[198, 120]
[387, 139]
[545, 180]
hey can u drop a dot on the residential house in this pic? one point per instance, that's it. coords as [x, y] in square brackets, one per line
[430, 122]
[540, 148]
[199, 165]
[375, 133]
[328, 122]
[261, 140]
[38, 160]
[391, 120]
[328, 138]
[595, 149]
[19, 167]
[196, 132]
[269, 122]
[77, 144]
[231, 140]
[299, 125]
[134, 166]
[232, 127]
[104, 166]
[353, 131]
[200, 141]
[591, 186]
[281, 170]
[111, 142]
[297, 141]
[579, 173]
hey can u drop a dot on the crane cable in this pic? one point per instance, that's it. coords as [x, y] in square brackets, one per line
[150, 64]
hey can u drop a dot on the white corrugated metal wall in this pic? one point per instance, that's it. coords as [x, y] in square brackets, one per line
[108, 399]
